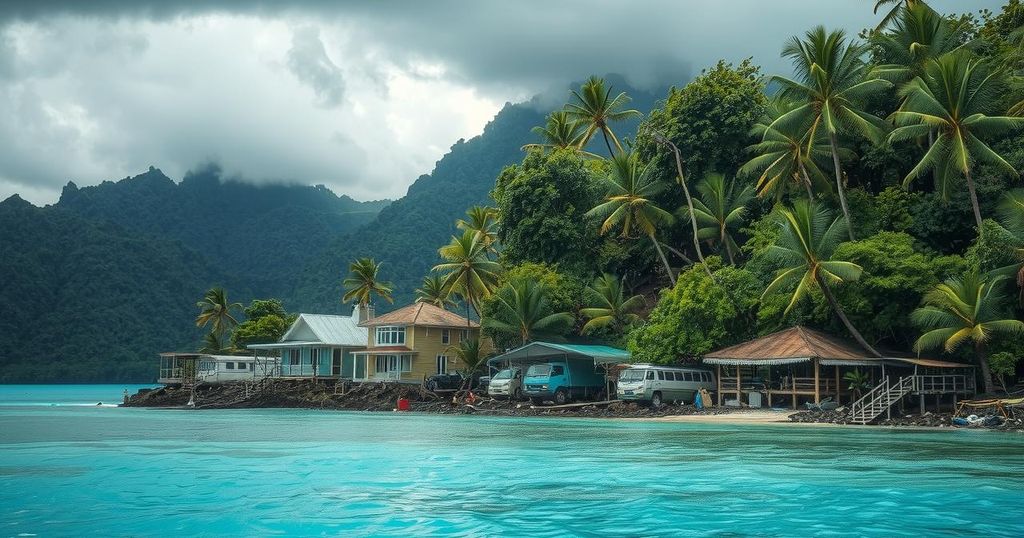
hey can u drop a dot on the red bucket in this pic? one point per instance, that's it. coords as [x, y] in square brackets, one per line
[403, 404]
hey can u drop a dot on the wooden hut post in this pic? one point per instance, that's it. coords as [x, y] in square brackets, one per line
[739, 392]
[792, 385]
[837, 384]
[817, 382]
[718, 377]
[768, 386]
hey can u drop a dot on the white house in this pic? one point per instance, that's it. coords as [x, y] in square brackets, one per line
[322, 345]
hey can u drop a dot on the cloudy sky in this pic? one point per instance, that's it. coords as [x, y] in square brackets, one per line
[360, 96]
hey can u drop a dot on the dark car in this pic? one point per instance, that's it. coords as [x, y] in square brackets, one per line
[451, 381]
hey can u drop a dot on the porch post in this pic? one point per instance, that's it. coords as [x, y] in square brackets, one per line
[739, 392]
[817, 382]
[768, 386]
[792, 385]
[718, 376]
[837, 384]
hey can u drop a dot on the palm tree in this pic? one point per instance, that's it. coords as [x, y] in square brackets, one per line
[831, 84]
[964, 309]
[897, 5]
[467, 270]
[522, 311]
[918, 36]
[807, 239]
[471, 354]
[363, 283]
[1011, 209]
[953, 99]
[609, 307]
[719, 211]
[629, 202]
[216, 310]
[212, 344]
[483, 221]
[433, 292]
[560, 131]
[664, 141]
[784, 157]
[595, 108]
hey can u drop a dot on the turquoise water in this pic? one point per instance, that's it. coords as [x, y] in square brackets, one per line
[77, 469]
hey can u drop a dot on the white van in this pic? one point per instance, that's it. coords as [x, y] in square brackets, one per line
[657, 384]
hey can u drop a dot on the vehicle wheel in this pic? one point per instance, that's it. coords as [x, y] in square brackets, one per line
[431, 386]
[656, 399]
[561, 397]
[537, 401]
[517, 394]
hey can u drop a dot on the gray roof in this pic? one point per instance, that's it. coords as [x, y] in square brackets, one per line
[545, 350]
[322, 329]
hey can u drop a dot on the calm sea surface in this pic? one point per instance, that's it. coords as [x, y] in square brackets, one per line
[70, 468]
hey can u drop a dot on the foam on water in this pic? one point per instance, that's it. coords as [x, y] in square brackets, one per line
[75, 470]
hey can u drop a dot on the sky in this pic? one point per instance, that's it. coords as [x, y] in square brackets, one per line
[360, 96]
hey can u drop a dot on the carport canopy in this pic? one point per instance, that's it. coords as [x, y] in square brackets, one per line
[535, 352]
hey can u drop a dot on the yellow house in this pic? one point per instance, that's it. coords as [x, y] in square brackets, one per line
[414, 342]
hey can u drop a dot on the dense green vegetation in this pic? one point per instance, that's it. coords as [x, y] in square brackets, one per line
[870, 195]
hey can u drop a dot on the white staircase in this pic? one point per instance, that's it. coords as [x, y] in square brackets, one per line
[879, 399]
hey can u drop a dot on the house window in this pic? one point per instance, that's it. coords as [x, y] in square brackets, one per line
[463, 335]
[394, 363]
[229, 365]
[390, 335]
[293, 357]
[314, 357]
[442, 364]
[446, 336]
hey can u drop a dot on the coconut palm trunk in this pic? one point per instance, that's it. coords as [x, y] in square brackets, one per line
[807, 182]
[986, 372]
[974, 201]
[839, 183]
[664, 260]
[604, 133]
[842, 316]
[689, 203]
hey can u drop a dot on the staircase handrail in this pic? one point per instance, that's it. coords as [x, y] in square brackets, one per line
[872, 396]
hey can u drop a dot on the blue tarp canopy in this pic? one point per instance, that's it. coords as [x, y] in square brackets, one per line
[540, 351]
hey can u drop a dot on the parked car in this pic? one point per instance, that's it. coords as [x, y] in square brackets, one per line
[507, 383]
[562, 381]
[657, 384]
[452, 381]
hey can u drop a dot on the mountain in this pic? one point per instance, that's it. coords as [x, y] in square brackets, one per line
[84, 300]
[405, 236]
[260, 234]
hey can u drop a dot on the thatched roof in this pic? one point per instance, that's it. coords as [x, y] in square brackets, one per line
[790, 346]
[421, 314]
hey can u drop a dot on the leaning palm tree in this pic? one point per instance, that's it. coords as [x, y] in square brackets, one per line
[785, 159]
[432, 292]
[808, 237]
[594, 107]
[964, 309]
[216, 310]
[363, 283]
[919, 35]
[1011, 212]
[953, 99]
[560, 131]
[467, 270]
[483, 221]
[629, 203]
[608, 306]
[832, 85]
[472, 356]
[719, 210]
[522, 311]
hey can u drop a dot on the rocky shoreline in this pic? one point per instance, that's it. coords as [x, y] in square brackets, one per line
[332, 395]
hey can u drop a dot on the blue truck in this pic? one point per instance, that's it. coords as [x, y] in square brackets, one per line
[562, 380]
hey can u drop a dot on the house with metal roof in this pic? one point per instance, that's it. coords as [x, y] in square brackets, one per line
[802, 363]
[414, 342]
[322, 345]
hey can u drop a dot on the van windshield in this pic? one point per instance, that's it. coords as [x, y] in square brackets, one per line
[504, 374]
[539, 370]
[631, 375]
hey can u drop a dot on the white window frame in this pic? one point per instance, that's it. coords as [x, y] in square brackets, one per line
[390, 335]
[446, 336]
[441, 363]
[463, 335]
[393, 363]
[294, 357]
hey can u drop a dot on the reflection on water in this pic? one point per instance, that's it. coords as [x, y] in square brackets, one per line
[80, 470]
